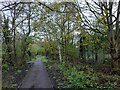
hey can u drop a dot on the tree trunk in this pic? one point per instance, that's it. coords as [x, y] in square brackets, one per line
[113, 39]
[96, 55]
[115, 58]
[81, 51]
[14, 31]
[60, 57]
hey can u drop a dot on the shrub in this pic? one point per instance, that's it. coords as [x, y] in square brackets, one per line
[82, 76]
[77, 79]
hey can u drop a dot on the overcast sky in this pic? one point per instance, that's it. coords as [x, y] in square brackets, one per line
[56, 0]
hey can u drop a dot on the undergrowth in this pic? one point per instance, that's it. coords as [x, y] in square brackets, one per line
[82, 76]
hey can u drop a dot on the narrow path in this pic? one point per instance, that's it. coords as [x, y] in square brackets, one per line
[37, 77]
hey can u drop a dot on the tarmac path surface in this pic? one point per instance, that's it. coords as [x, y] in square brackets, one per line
[37, 77]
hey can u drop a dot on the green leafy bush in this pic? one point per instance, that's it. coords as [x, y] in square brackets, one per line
[44, 59]
[5, 67]
[82, 76]
[77, 79]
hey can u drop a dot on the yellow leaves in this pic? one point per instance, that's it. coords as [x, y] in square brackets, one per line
[106, 27]
[49, 45]
[106, 11]
[78, 17]
[101, 19]
[86, 44]
[34, 48]
[36, 25]
[1, 30]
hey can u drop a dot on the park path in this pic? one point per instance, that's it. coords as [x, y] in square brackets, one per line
[37, 77]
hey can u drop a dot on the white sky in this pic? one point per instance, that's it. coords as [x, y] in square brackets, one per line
[55, 0]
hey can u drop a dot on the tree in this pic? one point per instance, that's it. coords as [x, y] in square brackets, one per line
[59, 27]
[109, 24]
[14, 16]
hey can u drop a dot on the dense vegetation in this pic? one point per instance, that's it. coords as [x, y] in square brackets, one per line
[85, 47]
[80, 76]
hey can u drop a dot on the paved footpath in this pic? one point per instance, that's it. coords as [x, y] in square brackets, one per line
[37, 77]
